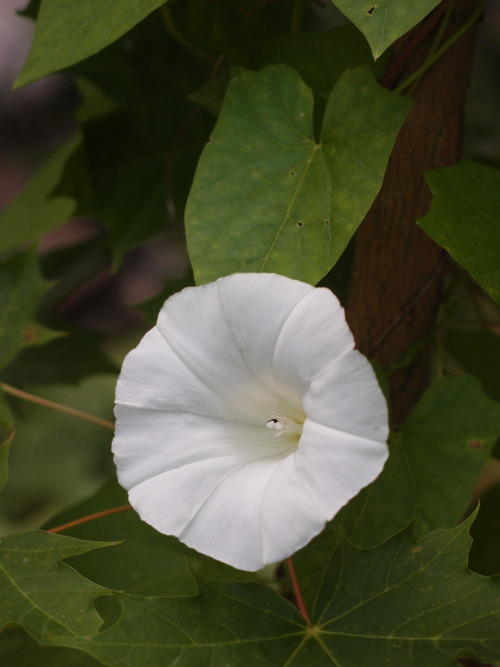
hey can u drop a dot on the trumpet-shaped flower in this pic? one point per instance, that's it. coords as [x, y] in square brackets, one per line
[246, 419]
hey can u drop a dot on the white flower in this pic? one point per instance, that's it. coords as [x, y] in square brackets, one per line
[246, 419]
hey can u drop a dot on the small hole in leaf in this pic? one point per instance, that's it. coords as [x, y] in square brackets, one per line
[300, 223]
[370, 11]
[475, 444]
[327, 222]
[292, 173]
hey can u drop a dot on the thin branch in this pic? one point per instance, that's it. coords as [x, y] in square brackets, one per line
[25, 396]
[408, 306]
[89, 517]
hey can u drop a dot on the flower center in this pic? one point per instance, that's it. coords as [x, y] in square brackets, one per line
[284, 425]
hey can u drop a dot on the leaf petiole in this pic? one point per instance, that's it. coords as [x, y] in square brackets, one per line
[89, 517]
[298, 595]
[25, 396]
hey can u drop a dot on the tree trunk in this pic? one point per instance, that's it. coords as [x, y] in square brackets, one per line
[395, 290]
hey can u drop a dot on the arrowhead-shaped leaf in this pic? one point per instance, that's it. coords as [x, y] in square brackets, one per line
[266, 196]
[434, 463]
[67, 32]
[42, 594]
[464, 218]
[384, 21]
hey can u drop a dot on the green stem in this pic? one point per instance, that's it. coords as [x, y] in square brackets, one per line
[180, 38]
[437, 40]
[434, 57]
[296, 18]
[25, 396]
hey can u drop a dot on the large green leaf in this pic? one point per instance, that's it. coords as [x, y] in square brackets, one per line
[403, 603]
[267, 196]
[464, 218]
[67, 31]
[35, 212]
[42, 594]
[21, 287]
[384, 21]
[434, 463]
[19, 649]
[408, 603]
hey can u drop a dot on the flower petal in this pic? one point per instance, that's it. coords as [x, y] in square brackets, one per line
[148, 443]
[154, 377]
[336, 465]
[347, 397]
[193, 401]
[242, 316]
[314, 335]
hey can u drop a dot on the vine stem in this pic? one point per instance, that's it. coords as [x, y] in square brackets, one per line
[298, 595]
[397, 64]
[25, 396]
[434, 57]
[182, 39]
[89, 517]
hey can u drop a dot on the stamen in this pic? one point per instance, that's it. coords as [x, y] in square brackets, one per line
[284, 425]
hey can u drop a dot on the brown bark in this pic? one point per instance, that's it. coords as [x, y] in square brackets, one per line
[395, 290]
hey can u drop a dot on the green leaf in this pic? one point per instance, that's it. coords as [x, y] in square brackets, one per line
[35, 212]
[433, 465]
[65, 360]
[383, 22]
[21, 286]
[319, 58]
[407, 603]
[266, 196]
[478, 353]
[46, 597]
[227, 624]
[67, 32]
[448, 438]
[464, 218]
[19, 649]
[403, 603]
